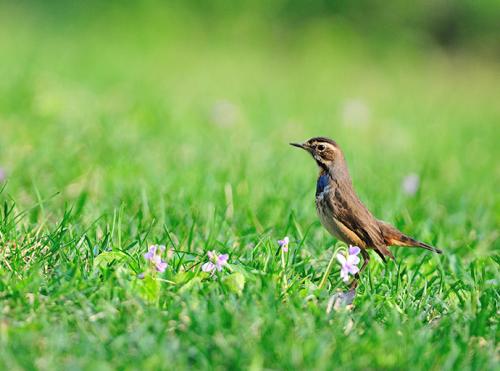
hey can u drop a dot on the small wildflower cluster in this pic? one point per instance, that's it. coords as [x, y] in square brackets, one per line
[154, 256]
[215, 262]
[349, 263]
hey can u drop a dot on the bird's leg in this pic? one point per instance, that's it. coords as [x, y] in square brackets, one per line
[366, 259]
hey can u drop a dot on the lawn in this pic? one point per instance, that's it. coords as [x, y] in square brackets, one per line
[123, 130]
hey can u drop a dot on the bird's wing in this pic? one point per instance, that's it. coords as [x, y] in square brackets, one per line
[350, 211]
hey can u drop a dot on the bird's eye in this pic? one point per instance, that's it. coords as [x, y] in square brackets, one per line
[321, 147]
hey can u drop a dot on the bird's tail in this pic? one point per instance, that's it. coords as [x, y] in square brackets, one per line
[394, 237]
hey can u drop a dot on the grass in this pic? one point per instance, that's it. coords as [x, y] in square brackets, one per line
[116, 138]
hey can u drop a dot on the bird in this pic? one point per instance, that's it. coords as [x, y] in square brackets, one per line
[343, 214]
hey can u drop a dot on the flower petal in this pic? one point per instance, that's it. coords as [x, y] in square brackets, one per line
[353, 269]
[353, 259]
[208, 267]
[284, 242]
[354, 250]
[222, 259]
[161, 266]
[211, 255]
[151, 252]
[341, 258]
[344, 274]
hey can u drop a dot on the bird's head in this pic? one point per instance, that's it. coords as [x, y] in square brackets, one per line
[325, 151]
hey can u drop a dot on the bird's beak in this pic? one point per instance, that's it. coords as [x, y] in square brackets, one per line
[299, 145]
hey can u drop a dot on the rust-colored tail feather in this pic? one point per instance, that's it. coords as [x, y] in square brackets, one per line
[394, 237]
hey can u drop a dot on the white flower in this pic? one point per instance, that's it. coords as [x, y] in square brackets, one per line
[410, 184]
[349, 263]
[216, 262]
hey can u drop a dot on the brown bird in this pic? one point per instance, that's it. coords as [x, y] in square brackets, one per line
[343, 214]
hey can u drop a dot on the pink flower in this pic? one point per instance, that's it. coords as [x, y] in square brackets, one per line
[216, 262]
[159, 264]
[349, 263]
[154, 257]
[284, 243]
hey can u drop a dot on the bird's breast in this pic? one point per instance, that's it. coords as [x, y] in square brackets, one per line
[323, 206]
[325, 213]
[329, 220]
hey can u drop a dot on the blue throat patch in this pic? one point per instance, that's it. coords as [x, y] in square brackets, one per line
[322, 183]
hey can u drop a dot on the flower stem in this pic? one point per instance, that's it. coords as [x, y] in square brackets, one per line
[327, 272]
[167, 281]
[283, 265]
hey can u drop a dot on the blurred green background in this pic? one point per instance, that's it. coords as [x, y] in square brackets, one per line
[132, 89]
[142, 117]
